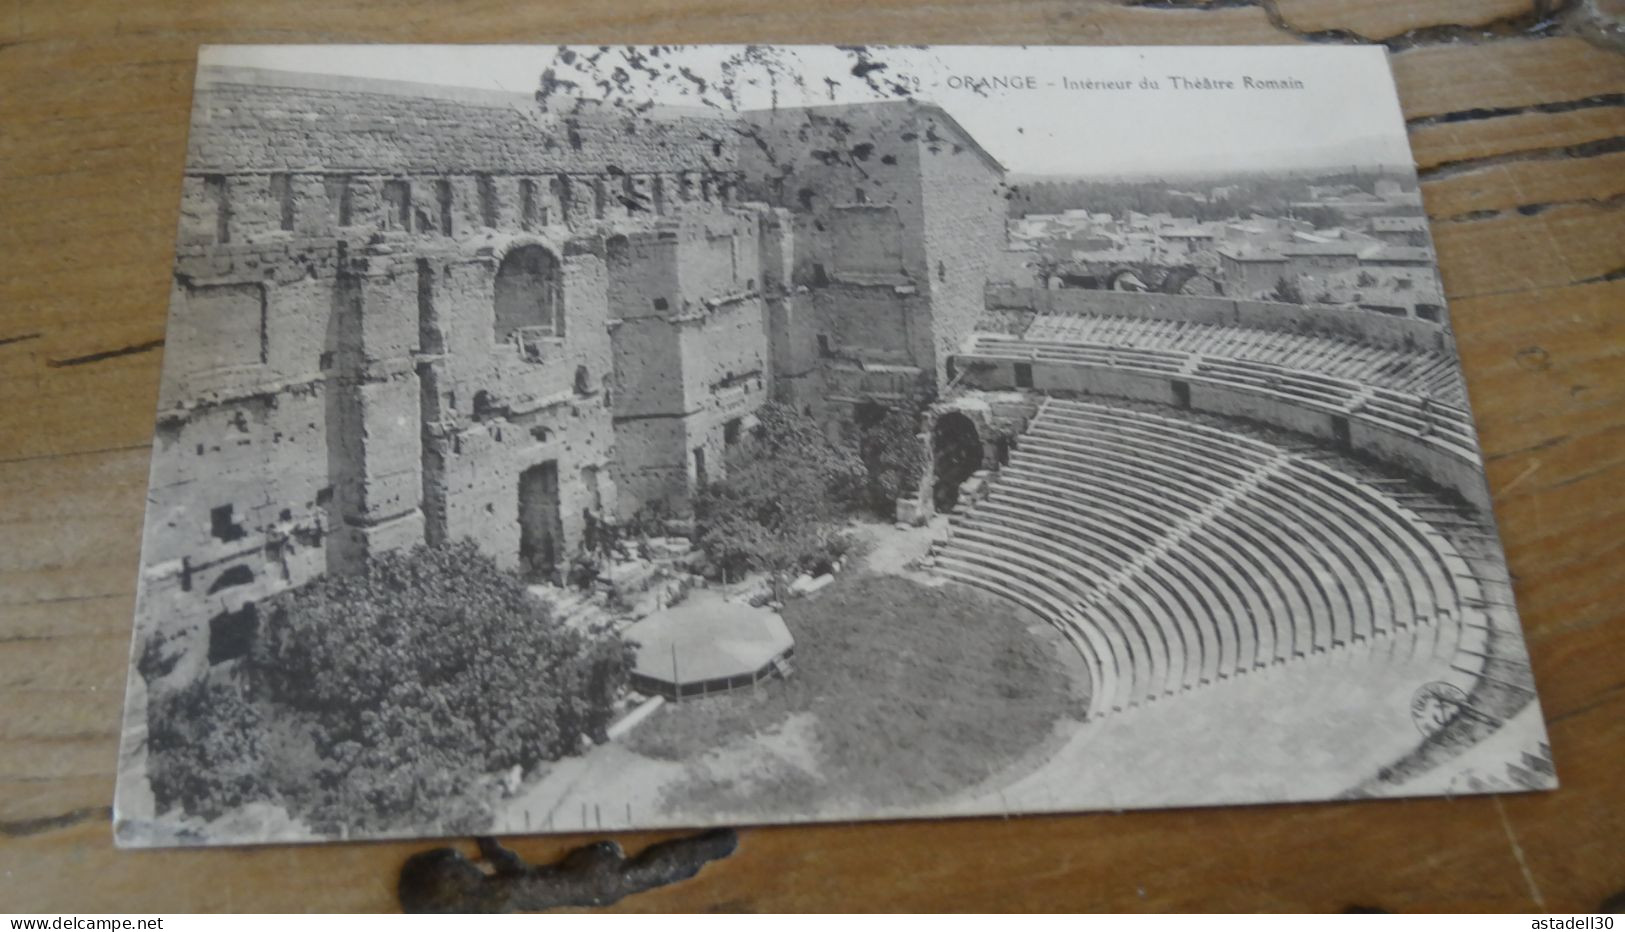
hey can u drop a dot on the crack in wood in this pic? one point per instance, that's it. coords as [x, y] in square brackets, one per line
[1582, 476]
[1193, 4]
[19, 338]
[21, 828]
[105, 354]
[442, 880]
[64, 454]
[67, 453]
[1489, 113]
[1469, 216]
[1612, 275]
[60, 599]
[1535, 209]
[1583, 150]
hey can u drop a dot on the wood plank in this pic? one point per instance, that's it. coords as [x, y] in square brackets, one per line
[1435, 79]
[615, 21]
[1376, 20]
[1561, 246]
[1527, 187]
[1534, 133]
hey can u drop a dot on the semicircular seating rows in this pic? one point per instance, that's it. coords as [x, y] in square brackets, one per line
[1416, 371]
[1174, 554]
[1445, 426]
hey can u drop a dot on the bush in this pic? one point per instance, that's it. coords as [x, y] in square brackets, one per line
[1286, 291]
[777, 506]
[205, 749]
[411, 681]
[893, 457]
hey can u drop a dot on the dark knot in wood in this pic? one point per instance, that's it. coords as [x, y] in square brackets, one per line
[443, 880]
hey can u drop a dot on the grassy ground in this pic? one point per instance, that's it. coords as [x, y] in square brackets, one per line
[902, 694]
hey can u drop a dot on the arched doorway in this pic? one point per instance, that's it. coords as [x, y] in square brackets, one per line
[867, 414]
[541, 528]
[957, 453]
[529, 294]
[1176, 279]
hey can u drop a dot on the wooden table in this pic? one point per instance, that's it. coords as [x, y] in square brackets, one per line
[1517, 116]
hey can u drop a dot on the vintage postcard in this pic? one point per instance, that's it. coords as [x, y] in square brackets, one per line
[592, 438]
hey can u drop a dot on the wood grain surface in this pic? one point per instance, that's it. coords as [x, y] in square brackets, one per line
[1517, 113]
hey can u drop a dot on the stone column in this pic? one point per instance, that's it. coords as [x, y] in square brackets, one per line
[374, 422]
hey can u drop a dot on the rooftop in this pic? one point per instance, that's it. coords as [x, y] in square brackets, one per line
[1417, 254]
[1250, 254]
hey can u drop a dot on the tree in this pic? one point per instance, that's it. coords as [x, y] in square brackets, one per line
[1318, 217]
[1286, 291]
[778, 506]
[206, 749]
[893, 457]
[393, 693]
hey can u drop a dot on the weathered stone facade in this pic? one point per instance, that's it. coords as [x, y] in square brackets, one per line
[898, 219]
[407, 314]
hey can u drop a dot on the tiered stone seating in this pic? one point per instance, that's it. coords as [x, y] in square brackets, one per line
[1444, 425]
[1431, 374]
[1175, 553]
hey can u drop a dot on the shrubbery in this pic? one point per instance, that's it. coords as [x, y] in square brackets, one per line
[411, 682]
[893, 458]
[206, 749]
[781, 506]
[778, 506]
[1286, 291]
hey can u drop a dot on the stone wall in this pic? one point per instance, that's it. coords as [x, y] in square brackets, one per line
[849, 175]
[341, 380]
[1252, 277]
[319, 155]
[898, 219]
[964, 198]
[691, 350]
[500, 408]
[408, 314]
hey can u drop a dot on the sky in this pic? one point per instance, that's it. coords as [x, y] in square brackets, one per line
[1039, 109]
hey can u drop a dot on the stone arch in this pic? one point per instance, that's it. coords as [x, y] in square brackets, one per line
[956, 453]
[239, 575]
[1177, 278]
[1125, 279]
[529, 293]
[868, 413]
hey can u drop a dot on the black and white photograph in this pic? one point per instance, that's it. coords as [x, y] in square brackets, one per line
[590, 438]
